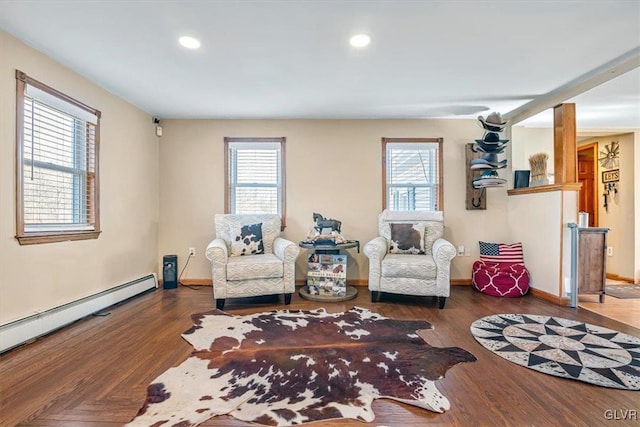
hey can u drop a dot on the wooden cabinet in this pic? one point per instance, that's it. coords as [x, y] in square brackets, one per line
[592, 260]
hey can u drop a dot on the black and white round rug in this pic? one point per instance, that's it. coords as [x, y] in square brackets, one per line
[564, 348]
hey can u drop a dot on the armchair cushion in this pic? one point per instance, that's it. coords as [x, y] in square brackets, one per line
[409, 266]
[254, 267]
[247, 239]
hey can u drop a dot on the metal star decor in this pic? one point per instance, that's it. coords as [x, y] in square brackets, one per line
[610, 155]
[563, 348]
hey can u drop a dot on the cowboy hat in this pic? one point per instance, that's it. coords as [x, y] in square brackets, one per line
[493, 122]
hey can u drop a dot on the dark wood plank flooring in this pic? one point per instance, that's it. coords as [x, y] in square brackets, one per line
[96, 371]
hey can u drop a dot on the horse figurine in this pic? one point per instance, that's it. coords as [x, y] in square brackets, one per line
[322, 223]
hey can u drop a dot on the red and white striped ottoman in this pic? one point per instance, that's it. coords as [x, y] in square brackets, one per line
[500, 279]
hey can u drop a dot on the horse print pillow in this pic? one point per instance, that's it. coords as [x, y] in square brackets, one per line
[247, 240]
[407, 239]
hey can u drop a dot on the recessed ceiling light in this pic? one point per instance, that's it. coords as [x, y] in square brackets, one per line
[360, 40]
[189, 42]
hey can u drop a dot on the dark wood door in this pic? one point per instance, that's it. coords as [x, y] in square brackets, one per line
[586, 177]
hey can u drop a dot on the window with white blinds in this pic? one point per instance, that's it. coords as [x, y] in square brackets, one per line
[255, 175]
[413, 171]
[57, 165]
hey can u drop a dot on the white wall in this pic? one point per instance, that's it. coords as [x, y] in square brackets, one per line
[35, 278]
[535, 220]
[332, 167]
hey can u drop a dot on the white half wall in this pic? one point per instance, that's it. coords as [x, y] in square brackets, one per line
[535, 220]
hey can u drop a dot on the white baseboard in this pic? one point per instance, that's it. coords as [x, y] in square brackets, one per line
[20, 331]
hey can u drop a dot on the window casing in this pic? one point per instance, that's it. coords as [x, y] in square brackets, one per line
[255, 179]
[57, 165]
[412, 174]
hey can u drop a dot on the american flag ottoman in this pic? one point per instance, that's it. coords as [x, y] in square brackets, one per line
[500, 271]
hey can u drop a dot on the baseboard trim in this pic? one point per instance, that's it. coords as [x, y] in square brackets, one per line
[197, 282]
[549, 297]
[365, 282]
[619, 278]
[31, 327]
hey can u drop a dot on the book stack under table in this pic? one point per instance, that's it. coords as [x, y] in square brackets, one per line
[327, 275]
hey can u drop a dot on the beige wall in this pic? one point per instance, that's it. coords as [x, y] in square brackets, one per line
[39, 277]
[528, 141]
[333, 167]
[620, 217]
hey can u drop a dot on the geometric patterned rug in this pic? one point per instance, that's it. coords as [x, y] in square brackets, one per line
[563, 348]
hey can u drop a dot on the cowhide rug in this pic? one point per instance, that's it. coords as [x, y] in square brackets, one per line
[564, 348]
[289, 367]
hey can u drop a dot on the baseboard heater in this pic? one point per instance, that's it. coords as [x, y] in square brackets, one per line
[20, 331]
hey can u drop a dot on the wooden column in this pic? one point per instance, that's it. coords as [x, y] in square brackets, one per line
[565, 155]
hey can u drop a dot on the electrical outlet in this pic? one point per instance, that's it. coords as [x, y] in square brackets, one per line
[192, 251]
[460, 250]
[609, 250]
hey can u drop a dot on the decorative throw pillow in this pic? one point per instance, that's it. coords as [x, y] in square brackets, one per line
[500, 252]
[407, 239]
[247, 240]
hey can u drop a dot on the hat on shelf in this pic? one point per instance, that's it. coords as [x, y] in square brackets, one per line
[493, 122]
[477, 166]
[481, 147]
[493, 138]
[489, 178]
[488, 163]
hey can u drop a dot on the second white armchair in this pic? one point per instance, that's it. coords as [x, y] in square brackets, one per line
[410, 256]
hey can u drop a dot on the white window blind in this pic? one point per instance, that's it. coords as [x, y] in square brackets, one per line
[412, 176]
[255, 177]
[58, 170]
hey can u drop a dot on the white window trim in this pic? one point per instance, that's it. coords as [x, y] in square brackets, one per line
[407, 143]
[271, 142]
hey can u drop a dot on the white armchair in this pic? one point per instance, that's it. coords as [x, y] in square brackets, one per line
[248, 258]
[410, 256]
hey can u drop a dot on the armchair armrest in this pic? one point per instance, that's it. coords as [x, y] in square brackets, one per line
[376, 249]
[285, 250]
[443, 251]
[216, 251]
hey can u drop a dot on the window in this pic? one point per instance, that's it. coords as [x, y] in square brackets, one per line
[57, 165]
[412, 174]
[255, 176]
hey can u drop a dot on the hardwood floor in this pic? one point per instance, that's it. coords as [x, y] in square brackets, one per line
[623, 310]
[96, 371]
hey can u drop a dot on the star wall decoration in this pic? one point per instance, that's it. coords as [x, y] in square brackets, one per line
[564, 348]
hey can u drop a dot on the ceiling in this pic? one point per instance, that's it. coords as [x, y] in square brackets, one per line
[292, 59]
